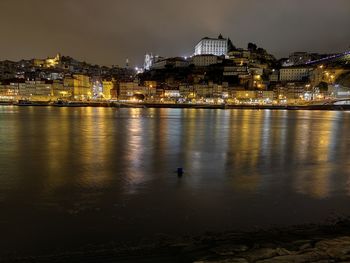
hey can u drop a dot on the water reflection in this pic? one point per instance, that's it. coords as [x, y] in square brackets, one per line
[135, 146]
[94, 139]
[256, 149]
[117, 167]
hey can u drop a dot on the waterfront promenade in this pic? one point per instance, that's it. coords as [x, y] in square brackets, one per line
[185, 105]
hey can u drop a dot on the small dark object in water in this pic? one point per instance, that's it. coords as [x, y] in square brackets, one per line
[180, 171]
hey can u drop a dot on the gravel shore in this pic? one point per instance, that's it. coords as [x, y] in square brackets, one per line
[307, 243]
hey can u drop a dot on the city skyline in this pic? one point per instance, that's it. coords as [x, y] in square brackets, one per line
[107, 32]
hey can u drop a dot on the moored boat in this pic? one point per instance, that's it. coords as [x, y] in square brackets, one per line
[60, 103]
[6, 102]
[76, 104]
[64, 103]
[26, 102]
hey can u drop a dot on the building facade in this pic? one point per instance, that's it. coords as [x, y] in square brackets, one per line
[204, 60]
[149, 59]
[176, 62]
[79, 86]
[294, 74]
[214, 46]
[107, 86]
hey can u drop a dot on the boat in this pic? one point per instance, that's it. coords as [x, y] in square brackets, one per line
[64, 103]
[60, 103]
[77, 104]
[26, 102]
[23, 103]
[129, 105]
[6, 102]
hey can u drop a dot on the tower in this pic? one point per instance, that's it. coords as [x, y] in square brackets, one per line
[148, 61]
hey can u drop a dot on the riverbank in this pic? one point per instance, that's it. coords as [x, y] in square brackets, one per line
[307, 243]
[327, 107]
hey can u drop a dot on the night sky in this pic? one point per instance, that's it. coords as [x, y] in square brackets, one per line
[109, 31]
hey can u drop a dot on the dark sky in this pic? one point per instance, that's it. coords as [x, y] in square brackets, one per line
[108, 31]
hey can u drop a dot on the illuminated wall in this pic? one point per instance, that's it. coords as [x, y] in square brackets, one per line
[81, 87]
[107, 86]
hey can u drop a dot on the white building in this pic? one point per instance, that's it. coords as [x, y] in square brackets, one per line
[214, 46]
[149, 60]
[294, 74]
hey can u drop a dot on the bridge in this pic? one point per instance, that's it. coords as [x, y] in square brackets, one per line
[337, 58]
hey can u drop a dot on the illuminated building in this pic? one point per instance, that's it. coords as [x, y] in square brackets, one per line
[295, 92]
[235, 71]
[265, 95]
[107, 86]
[239, 54]
[187, 91]
[127, 90]
[97, 88]
[245, 94]
[151, 83]
[9, 91]
[274, 76]
[151, 88]
[47, 63]
[204, 60]
[176, 62]
[59, 91]
[79, 86]
[149, 59]
[214, 46]
[38, 63]
[82, 86]
[53, 62]
[35, 90]
[171, 92]
[294, 73]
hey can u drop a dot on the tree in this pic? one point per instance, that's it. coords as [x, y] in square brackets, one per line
[261, 50]
[252, 46]
[323, 86]
[230, 46]
[139, 96]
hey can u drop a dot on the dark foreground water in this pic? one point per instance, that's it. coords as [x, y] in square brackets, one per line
[76, 176]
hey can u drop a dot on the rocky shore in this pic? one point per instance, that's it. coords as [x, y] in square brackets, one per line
[307, 243]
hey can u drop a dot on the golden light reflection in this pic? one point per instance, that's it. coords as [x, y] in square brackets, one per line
[188, 143]
[134, 174]
[301, 139]
[314, 182]
[302, 135]
[157, 132]
[57, 148]
[10, 131]
[266, 134]
[244, 149]
[314, 153]
[302, 152]
[246, 183]
[94, 144]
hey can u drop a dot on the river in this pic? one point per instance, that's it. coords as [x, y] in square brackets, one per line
[70, 177]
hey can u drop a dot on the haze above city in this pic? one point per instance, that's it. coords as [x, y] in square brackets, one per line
[106, 32]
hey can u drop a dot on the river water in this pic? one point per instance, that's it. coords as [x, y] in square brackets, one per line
[70, 177]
